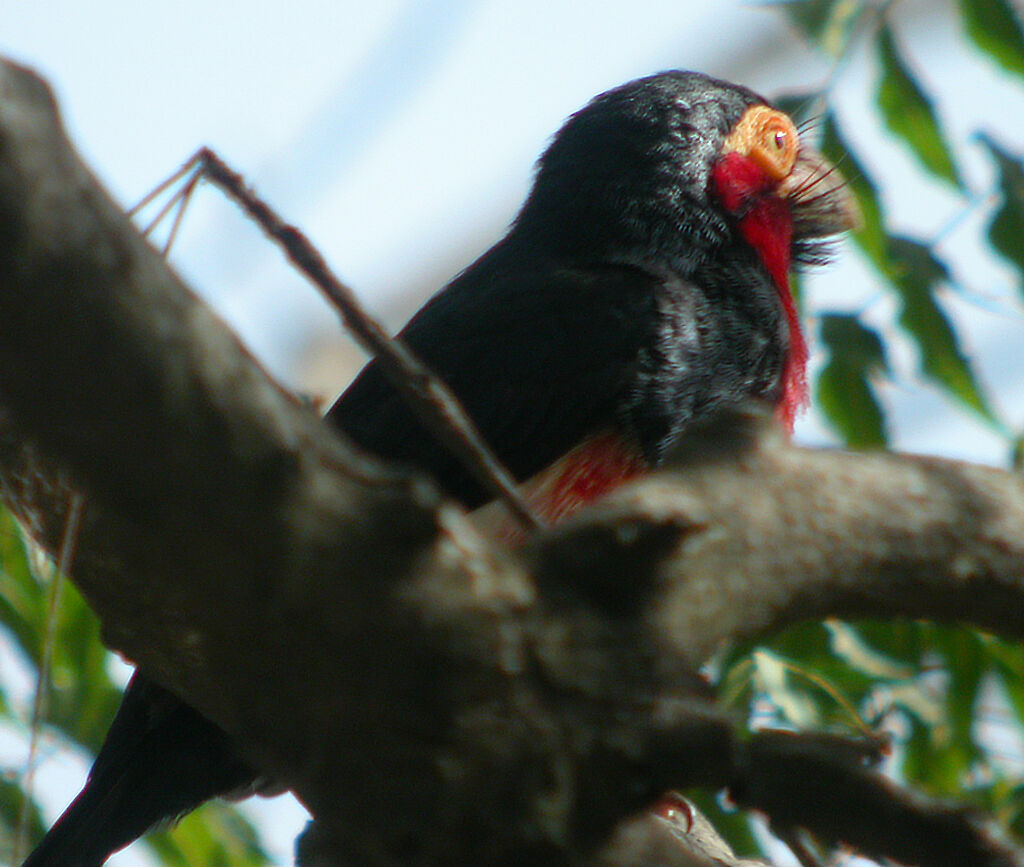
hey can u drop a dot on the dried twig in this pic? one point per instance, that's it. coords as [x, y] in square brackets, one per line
[430, 399]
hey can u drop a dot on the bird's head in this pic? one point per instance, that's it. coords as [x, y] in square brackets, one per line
[690, 173]
[673, 164]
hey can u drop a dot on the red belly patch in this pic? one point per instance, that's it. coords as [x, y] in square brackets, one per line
[594, 468]
[597, 466]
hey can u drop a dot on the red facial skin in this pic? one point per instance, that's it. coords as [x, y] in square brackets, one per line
[746, 191]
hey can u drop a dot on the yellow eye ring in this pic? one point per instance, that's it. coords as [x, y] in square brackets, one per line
[768, 137]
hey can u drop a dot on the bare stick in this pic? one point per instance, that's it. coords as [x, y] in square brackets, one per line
[183, 202]
[431, 400]
[60, 569]
[186, 167]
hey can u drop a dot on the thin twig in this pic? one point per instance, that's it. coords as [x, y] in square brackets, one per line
[186, 167]
[183, 203]
[67, 546]
[179, 195]
[431, 400]
[822, 683]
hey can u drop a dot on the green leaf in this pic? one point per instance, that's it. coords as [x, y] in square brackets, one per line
[1006, 231]
[849, 645]
[934, 761]
[814, 669]
[215, 835]
[908, 112]
[793, 702]
[1008, 662]
[917, 274]
[829, 24]
[903, 640]
[735, 687]
[870, 237]
[967, 661]
[943, 755]
[996, 30]
[12, 800]
[844, 392]
[22, 599]
[82, 698]
[1015, 809]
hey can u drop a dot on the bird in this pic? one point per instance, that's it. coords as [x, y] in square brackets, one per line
[643, 286]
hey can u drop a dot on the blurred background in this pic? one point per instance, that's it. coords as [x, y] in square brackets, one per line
[401, 134]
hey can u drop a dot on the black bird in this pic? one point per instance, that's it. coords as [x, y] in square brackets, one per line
[643, 285]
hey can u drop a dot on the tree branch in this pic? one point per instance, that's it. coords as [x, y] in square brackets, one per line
[435, 406]
[770, 534]
[443, 700]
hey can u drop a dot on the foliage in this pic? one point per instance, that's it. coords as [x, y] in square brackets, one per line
[843, 390]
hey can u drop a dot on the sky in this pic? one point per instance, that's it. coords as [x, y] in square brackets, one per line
[401, 134]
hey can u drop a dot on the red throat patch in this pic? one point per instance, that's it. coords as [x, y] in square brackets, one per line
[767, 225]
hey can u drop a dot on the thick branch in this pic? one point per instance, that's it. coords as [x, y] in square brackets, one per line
[821, 784]
[475, 705]
[212, 496]
[769, 534]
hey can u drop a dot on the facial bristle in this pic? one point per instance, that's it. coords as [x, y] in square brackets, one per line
[822, 207]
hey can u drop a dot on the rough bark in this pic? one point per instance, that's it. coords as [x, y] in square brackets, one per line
[431, 695]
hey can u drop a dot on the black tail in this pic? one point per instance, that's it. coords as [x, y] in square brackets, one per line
[160, 760]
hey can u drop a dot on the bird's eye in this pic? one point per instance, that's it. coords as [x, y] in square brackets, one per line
[768, 137]
[774, 147]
